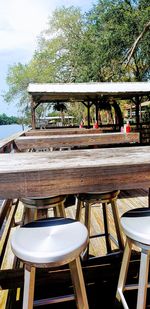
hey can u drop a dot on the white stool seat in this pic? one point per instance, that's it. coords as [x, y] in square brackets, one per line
[50, 240]
[136, 225]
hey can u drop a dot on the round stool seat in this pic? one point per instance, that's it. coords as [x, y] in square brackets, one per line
[52, 240]
[42, 202]
[99, 196]
[136, 225]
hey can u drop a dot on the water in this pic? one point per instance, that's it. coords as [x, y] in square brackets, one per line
[10, 129]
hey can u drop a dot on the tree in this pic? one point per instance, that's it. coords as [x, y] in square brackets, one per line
[135, 44]
[4, 119]
[63, 37]
[112, 27]
[53, 61]
[90, 47]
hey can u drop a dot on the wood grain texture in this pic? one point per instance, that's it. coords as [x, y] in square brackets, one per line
[8, 142]
[44, 174]
[64, 131]
[79, 140]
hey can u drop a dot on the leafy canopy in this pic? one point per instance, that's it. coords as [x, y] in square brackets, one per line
[93, 46]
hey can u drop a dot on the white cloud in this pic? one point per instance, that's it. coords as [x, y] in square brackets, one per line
[21, 21]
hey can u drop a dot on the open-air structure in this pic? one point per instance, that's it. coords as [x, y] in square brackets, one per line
[30, 168]
[88, 94]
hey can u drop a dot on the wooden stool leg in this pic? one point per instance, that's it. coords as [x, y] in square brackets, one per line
[124, 271]
[78, 211]
[29, 215]
[62, 210]
[88, 226]
[143, 280]
[29, 281]
[88, 216]
[106, 229]
[117, 224]
[56, 211]
[78, 283]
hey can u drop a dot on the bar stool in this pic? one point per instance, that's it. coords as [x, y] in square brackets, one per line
[87, 199]
[51, 242]
[136, 226]
[37, 207]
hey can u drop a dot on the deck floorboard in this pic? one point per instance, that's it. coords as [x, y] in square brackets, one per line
[101, 292]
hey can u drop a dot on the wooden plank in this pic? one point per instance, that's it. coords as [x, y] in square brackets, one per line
[3, 211]
[69, 172]
[80, 140]
[64, 131]
[8, 142]
[6, 232]
[96, 270]
[100, 268]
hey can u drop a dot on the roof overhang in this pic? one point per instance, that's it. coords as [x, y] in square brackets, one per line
[68, 92]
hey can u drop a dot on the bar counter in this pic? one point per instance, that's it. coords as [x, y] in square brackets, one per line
[69, 172]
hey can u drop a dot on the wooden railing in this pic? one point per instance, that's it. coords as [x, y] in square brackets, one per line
[144, 130]
[8, 221]
[7, 145]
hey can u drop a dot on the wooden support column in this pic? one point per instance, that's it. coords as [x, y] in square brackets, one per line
[137, 102]
[96, 111]
[33, 113]
[88, 106]
[88, 113]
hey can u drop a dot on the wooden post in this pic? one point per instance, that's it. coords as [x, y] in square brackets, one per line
[137, 111]
[96, 111]
[33, 113]
[88, 114]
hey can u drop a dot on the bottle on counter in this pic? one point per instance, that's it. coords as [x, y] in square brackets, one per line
[127, 127]
[81, 124]
[95, 126]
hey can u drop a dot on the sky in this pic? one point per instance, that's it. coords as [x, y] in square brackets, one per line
[21, 21]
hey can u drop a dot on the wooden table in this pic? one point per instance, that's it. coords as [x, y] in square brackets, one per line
[66, 131]
[68, 172]
[75, 140]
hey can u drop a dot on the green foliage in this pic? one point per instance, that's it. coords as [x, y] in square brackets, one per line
[60, 107]
[4, 119]
[113, 27]
[146, 114]
[82, 48]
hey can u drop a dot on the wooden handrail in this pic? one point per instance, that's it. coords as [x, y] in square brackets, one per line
[7, 144]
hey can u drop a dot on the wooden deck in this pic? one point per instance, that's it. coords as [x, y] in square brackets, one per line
[101, 272]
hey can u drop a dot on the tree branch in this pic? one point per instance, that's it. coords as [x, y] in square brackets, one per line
[134, 46]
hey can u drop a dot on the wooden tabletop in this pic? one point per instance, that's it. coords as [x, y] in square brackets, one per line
[65, 131]
[79, 140]
[66, 172]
